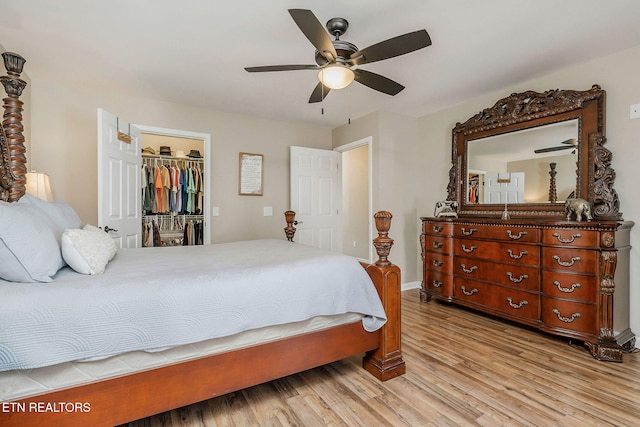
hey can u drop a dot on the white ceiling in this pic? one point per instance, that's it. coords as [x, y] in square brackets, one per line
[194, 51]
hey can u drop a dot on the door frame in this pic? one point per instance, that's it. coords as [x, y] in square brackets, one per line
[368, 141]
[206, 137]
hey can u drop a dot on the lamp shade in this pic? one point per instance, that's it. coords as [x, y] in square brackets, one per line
[38, 185]
[336, 76]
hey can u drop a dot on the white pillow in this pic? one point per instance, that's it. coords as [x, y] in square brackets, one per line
[29, 251]
[88, 250]
[60, 213]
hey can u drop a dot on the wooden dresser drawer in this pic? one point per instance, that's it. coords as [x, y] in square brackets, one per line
[506, 233]
[438, 228]
[570, 286]
[517, 276]
[574, 238]
[438, 282]
[438, 262]
[511, 301]
[498, 251]
[443, 245]
[567, 259]
[571, 315]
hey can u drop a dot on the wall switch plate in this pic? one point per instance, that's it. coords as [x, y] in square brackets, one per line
[634, 111]
[215, 211]
[267, 211]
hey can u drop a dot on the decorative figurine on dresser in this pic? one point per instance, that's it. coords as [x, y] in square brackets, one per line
[514, 251]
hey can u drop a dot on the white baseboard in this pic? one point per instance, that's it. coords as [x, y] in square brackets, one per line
[410, 285]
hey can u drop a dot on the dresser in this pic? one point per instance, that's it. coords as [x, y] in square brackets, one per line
[568, 278]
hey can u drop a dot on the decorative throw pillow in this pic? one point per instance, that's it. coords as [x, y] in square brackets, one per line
[88, 250]
[29, 250]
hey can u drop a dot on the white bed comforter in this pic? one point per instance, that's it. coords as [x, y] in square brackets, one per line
[155, 298]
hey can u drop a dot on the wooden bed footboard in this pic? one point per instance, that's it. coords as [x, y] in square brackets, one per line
[131, 397]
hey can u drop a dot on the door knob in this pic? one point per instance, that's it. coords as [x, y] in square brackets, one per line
[108, 229]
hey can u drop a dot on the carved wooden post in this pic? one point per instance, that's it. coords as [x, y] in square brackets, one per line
[289, 230]
[552, 183]
[16, 160]
[386, 361]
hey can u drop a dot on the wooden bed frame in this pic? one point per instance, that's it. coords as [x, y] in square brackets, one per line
[138, 395]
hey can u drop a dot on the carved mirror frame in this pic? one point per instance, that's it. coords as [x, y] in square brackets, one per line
[519, 111]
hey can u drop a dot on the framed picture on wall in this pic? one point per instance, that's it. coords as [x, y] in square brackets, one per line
[250, 171]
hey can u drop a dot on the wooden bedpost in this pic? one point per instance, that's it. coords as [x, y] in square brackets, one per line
[289, 230]
[386, 361]
[13, 162]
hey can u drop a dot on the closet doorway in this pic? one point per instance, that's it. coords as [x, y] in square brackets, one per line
[188, 151]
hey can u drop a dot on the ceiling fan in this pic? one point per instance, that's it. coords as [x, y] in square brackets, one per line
[336, 59]
[569, 143]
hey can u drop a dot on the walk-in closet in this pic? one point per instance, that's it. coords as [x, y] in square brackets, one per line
[173, 186]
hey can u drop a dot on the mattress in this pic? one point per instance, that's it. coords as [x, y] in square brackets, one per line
[24, 383]
[152, 299]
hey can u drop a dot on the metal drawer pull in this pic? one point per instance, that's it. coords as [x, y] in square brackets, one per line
[566, 263]
[514, 280]
[523, 253]
[437, 245]
[567, 290]
[519, 305]
[437, 262]
[471, 292]
[561, 240]
[469, 250]
[468, 233]
[436, 283]
[468, 270]
[437, 228]
[573, 317]
[519, 236]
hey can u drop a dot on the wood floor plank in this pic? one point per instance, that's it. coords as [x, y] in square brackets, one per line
[463, 369]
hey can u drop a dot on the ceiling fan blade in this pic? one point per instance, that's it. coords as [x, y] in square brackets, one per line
[393, 47]
[558, 148]
[315, 32]
[571, 141]
[267, 68]
[377, 82]
[319, 93]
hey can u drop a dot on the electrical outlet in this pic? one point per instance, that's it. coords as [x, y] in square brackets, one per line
[267, 211]
[634, 111]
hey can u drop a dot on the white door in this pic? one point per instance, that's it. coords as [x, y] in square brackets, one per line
[502, 188]
[119, 192]
[316, 184]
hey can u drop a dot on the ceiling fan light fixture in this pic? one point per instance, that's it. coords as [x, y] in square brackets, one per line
[336, 76]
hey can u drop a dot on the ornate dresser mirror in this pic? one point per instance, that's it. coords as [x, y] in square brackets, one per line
[513, 251]
[546, 146]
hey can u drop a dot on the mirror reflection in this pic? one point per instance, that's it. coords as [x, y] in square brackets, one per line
[536, 165]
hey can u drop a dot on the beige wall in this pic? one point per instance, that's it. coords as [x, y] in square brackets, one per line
[64, 145]
[395, 172]
[618, 75]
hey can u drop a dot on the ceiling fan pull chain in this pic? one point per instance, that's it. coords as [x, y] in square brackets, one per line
[322, 93]
[349, 104]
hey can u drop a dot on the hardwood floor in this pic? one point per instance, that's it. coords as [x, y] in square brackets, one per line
[461, 371]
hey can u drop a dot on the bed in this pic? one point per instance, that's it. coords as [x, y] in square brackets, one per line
[134, 344]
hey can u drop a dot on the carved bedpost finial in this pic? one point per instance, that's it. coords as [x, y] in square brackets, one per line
[383, 242]
[14, 161]
[289, 230]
